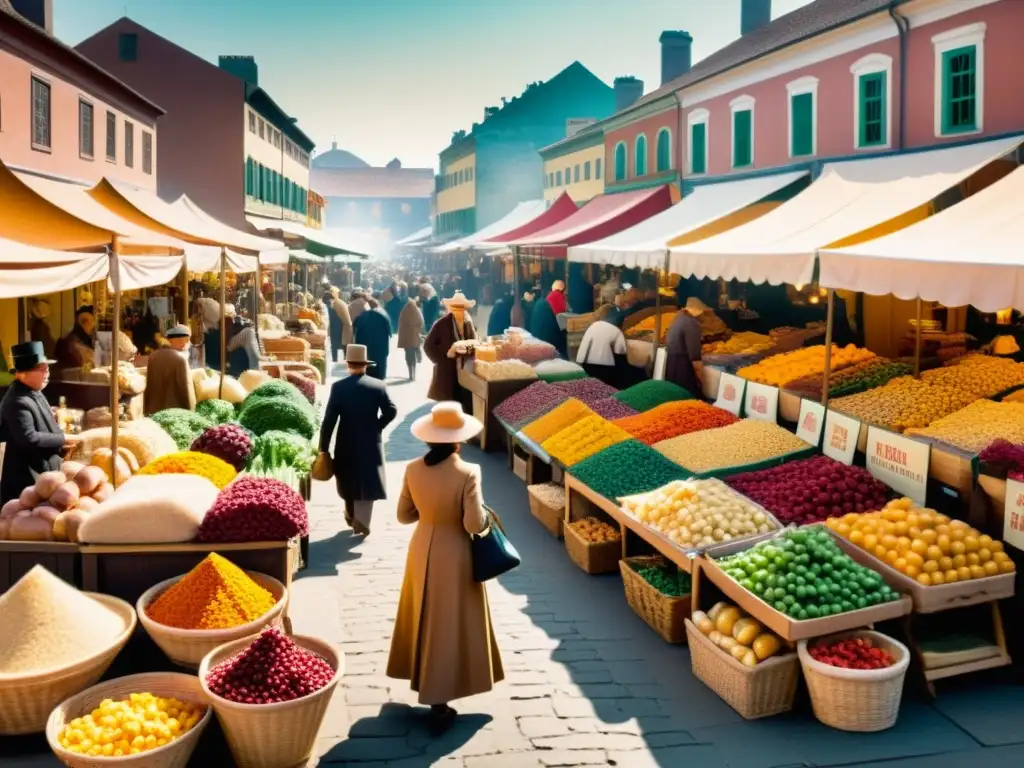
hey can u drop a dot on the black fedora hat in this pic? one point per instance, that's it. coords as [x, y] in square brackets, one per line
[27, 356]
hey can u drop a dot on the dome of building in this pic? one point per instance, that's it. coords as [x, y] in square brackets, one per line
[338, 158]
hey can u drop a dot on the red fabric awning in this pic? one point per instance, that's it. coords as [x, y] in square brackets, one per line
[562, 208]
[601, 217]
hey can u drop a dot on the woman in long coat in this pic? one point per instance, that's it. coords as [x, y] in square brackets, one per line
[443, 641]
[410, 330]
[544, 325]
[457, 325]
[373, 330]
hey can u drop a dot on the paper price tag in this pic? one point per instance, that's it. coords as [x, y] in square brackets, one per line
[1013, 514]
[811, 421]
[762, 402]
[899, 462]
[730, 393]
[841, 436]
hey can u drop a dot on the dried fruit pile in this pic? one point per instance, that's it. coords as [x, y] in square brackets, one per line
[676, 418]
[596, 531]
[527, 404]
[228, 442]
[851, 653]
[745, 442]
[588, 390]
[255, 509]
[557, 419]
[586, 437]
[779, 370]
[611, 409]
[975, 427]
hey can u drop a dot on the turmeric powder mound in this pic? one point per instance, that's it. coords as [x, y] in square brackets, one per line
[216, 594]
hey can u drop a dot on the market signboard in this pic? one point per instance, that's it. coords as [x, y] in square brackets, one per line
[1013, 514]
[730, 393]
[762, 402]
[841, 436]
[899, 462]
[811, 421]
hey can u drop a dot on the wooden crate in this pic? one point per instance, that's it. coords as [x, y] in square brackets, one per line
[58, 557]
[524, 465]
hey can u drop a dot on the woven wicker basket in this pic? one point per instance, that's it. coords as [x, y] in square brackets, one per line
[273, 735]
[664, 614]
[164, 684]
[753, 692]
[862, 700]
[187, 647]
[592, 558]
[26, 700]
[550, 516]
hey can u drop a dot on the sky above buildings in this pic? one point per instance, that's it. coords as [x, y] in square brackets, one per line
[391, 78]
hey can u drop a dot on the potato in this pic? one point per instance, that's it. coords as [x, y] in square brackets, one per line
[29, 499]
[87, 504]
[46, 512]
[749, 659]
[5, 528]
[765, 645]
[48, 482]
[10, 509]
[746, 631]
[716, 609]
[31, 528]
[703, 623]
[89, 479]
[65, 527]
[727, 619]
[103, 493]
[715, 637]
[739, 651]
[71, 468]
[66, 496]
[727, 644]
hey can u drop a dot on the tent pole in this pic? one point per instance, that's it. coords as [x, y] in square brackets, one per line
[917, 341]
[115, 390]
[257, 284]
[829, 319]
[517, 289]
[657, 316]
[223, 320]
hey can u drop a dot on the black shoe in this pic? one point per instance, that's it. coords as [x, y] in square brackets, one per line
[441, 720]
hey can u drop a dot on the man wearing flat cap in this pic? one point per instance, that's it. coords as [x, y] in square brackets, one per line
[168, 378]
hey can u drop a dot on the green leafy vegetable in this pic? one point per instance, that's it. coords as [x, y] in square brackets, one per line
[182, 425]
[283, 449]
[217, 411]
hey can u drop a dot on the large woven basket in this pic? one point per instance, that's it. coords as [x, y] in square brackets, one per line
[863, 700]
[551, 515]
[666, 615]
[753, 692]
[273, 735]
[26, 700]
[176, 754]
[187, 647]
[592, 558]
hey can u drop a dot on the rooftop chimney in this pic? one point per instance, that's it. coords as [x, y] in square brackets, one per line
[627, 90]
[243, 67]
[675, 54]
[754, 14]
[39, 12]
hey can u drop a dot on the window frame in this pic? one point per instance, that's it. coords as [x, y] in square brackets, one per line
[943, 44]
[261, 127]
[576, 174]
[693, 119]
[616, 176]
[122, 38]
[86, 152]
[586, 170]
[597, 168]
[802, 86]
[558, 178]
[147, 153]
[252, 121]
[42, 82]
[740, 104]
[867, 66]
[129, 144]
[667, 132]
[638, 155]
[111, 137]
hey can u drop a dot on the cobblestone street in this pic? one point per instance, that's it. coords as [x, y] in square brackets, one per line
[587, 683]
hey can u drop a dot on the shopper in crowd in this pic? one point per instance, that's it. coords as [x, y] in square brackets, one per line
[529, 300]
[410, 338]
[356, 305]
[360, 409]
[34, 441]
[340, 310]
[455, 326]
[544, 325]
[581, 292]
[556, 298]
[501, 314]
[168, 374]
[396, 304]
[373, 331]
[430, 304]
[443, 641]
[77, 348]
[683, 347]
[602, 354]
[243, 344]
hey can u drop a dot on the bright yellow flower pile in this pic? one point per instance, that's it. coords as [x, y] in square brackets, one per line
[779, 370]
[583, 439]
[565, 415]
[218, 472]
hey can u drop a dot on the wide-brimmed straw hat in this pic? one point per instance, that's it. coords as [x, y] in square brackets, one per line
[446, 423]
[178, 332]
[459, 300]
[696, 306]
[356, 354]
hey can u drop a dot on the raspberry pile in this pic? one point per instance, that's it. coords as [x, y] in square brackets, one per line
[852, 653]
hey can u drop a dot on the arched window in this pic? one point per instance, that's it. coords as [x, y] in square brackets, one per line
[640, 156]
[620, 161]
[664, 161]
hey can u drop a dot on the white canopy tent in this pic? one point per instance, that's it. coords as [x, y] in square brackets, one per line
[418, 237]
[341, 241]
[970, 253]
[517, 217]
[847, 200]
[646, 244]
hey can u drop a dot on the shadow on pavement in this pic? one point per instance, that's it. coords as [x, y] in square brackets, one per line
[401, 445]
[399, 732]
[326, 554]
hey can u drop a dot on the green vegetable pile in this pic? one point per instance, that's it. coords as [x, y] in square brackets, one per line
[283, 449]
[278, 413]
[276, 390]
[667, 579]
[626, 468]
[804, 574]
[872, 376]
[652, 393]
[217, 411]
[182, 425]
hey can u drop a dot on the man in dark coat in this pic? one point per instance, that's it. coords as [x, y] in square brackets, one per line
[544, 325]
[501, 315]
[373, 331]
[455, 326]
[683, 347]
[360, 408]
[34, 441]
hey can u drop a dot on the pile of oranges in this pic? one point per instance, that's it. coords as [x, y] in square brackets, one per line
[929, 547]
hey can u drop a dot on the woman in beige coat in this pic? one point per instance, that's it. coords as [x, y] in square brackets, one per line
[410, 334]
[443, 642]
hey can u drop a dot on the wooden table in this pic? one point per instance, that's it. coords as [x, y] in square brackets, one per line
[58, 557]
[487, 395]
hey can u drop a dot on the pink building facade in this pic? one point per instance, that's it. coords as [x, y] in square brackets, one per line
[644, 152]
[62, 115]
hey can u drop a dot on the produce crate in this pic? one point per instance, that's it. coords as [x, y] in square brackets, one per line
[592, 558]
[58, 557]
[525, 465]
[548, 512]
[664, 614]
[762, 691]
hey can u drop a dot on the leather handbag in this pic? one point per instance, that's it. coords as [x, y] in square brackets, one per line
[493, 553]
[323, 468]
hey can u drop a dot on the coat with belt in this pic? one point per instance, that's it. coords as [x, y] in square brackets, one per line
[360, 408]
[443, 641]
[34, 442]
[168, 382]
[444, 385]
[410, 326]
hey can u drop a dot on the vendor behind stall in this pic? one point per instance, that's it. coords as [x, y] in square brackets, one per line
[603, 356]
[243, 344]
[76, 349]
[683, 347]
[168, 378]
[209, 312]
[39, 330]
[34, 442]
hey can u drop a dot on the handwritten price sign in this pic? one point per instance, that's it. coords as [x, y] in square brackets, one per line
[762, 402]
[811, 421]
[841, 436]
[730, 393]
[1013, 514]
[899, 462]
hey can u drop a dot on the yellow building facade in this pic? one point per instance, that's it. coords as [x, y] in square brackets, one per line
[575, 165]
[456, 193]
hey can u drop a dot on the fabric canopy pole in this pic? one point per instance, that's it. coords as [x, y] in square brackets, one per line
[829, 320]
[517, 287]
[223, 320]
[657, 318]
[115, 388]
[917, 341]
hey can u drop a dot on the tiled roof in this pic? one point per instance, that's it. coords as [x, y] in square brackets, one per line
[373, 182]
[8, 10]
[807, 21]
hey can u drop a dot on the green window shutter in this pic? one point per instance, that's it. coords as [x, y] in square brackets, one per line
[620, 162]
[871, 97]
[960, 90]
[741, 138]
[640, 161]
[802, 140]
[698, 148]
[664, 151]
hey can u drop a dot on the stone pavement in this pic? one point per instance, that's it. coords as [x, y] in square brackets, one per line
[587, 683]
